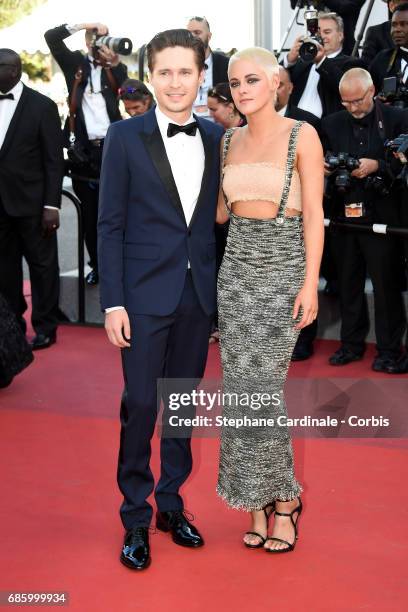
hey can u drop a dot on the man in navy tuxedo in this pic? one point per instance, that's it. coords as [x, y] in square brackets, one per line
[159, 187]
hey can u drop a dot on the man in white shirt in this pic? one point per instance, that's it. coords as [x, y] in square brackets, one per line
[216, 65]
[31, 170]
[96, 106]
[158, 195]
[316, 83]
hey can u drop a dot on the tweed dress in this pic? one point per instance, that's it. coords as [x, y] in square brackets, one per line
[262, 272]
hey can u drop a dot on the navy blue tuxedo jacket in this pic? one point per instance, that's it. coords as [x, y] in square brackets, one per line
[144, 242]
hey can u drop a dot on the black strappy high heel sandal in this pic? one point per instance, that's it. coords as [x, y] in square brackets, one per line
[289, 546]
[267, 516]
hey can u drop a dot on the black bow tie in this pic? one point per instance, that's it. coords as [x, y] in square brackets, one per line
[8, 96]
[190, 129]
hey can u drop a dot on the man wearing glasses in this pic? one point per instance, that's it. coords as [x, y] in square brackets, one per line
[360, 131]
[216, 65]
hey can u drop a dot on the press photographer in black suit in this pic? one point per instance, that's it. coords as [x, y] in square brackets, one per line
[349, 11]
[96, 106]
[216, 63]
[31, 172]
[361, 131]
[378, 37]
[316, 83]
[393, 62]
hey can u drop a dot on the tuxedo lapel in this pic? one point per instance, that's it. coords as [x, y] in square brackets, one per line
[155, 147]
[14, 122]
[209, 153]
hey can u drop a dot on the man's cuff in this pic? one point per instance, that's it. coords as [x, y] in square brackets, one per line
[51, 207]
[112, 308]
[286, 63]
[72, 29]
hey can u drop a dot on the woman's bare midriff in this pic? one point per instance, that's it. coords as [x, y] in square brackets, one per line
[258, 209]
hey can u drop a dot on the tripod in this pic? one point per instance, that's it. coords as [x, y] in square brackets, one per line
[299, 5]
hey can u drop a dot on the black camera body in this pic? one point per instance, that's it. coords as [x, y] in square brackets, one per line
[342, 165]
[312, 41]
[395, 92]
[122, 46]
[398, 148]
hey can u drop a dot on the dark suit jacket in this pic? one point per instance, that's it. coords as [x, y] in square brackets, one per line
[349, 10]
[293, 112]
[69, 62]
[31, 158]
[338, 137]
[377, 38]
[220, 68]
[379, 67]
[330, 73]
[144, 243]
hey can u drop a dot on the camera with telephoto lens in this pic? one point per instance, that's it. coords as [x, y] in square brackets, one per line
[397, 157]
[342, 165]
[312, 41]
[395, 92]
[122, 46]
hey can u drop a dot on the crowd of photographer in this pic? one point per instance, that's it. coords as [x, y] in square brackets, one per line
[357, 105]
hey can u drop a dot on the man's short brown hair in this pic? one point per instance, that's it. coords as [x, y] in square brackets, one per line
[176, 38]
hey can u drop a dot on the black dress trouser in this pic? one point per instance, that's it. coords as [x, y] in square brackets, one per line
[23, 236]
[356, 255]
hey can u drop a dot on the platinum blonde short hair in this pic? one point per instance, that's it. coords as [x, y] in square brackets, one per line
[356, 74]
[258, 55]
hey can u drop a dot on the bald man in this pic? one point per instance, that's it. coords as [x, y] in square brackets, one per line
[360, 130]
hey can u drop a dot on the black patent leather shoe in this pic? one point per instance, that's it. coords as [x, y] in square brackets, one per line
[344, 356]
[301, 352]
[92, 278]
[385, 363]
[400, 367]
[182, 531]
[41, 341]
[136, 549]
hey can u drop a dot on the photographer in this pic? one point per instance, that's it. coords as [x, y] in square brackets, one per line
[92, 82]
[316, 81]
[349, 11]
[136, 97]
[360, 194]
[394, 62]
[378, 37]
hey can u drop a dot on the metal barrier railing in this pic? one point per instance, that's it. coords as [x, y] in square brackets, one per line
[375, 228]
[81, 255]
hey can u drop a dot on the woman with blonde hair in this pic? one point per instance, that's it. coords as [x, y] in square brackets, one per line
[272, 191]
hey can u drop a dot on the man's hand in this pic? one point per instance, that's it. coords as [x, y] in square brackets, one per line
[107, 57]
[293, 54]
[101, 28]
[366, 167]
[117, 327]
[50, 221]
[327, 170]
[321, 54]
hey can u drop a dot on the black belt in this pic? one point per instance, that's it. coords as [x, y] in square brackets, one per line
[98, 142]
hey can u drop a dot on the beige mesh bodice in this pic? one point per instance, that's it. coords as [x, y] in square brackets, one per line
[262, 181]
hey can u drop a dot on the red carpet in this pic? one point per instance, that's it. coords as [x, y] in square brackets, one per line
[60, 529]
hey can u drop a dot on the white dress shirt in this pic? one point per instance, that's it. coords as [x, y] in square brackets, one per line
[7, 110]
[186, 157]
[310, 100]
[282, 111]
[404, 67]
[93, 104]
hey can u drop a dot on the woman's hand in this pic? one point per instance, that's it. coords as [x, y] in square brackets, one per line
[306, 300]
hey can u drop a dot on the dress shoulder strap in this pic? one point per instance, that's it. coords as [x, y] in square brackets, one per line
[227, 141]
[290, 164]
